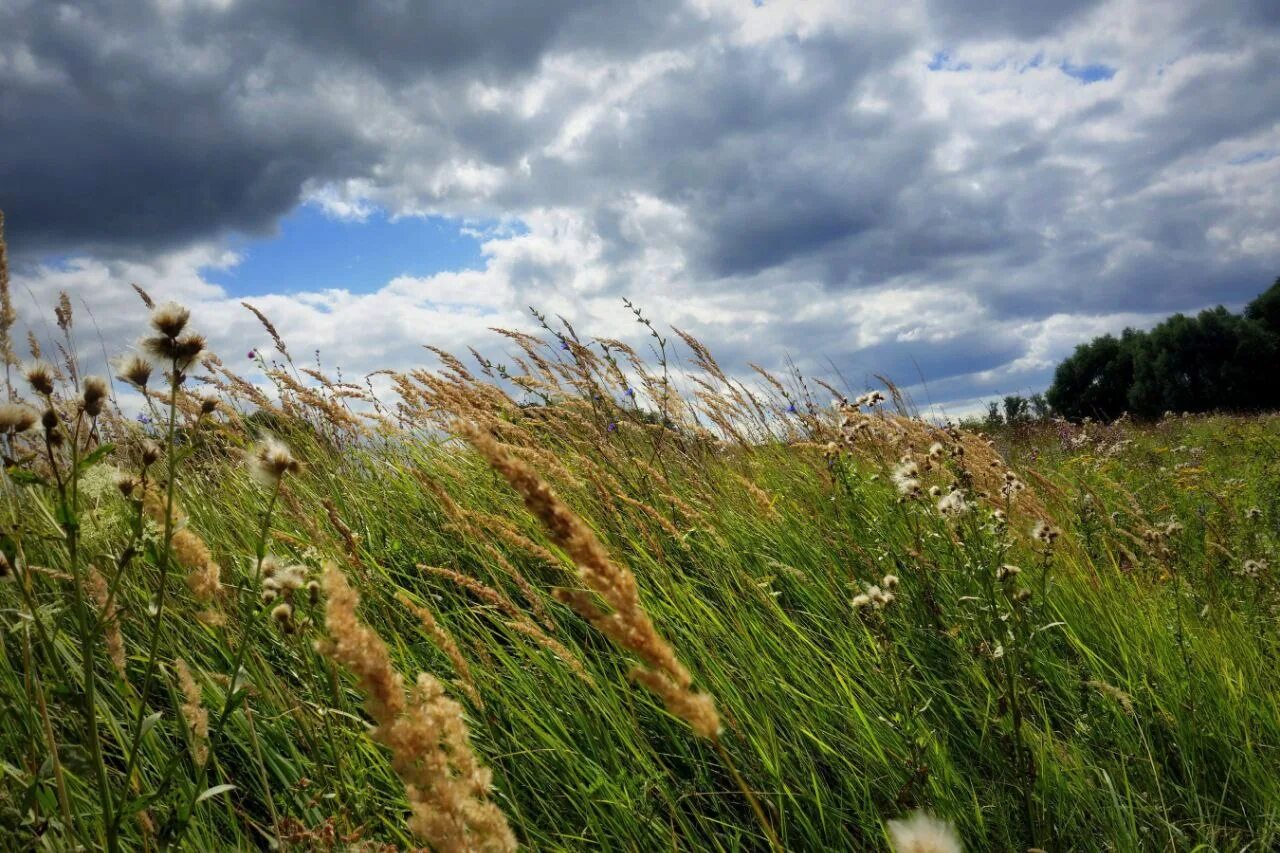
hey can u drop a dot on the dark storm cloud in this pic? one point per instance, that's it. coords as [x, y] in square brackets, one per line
[139, 125]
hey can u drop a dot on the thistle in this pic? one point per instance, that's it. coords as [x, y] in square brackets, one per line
[923, 833]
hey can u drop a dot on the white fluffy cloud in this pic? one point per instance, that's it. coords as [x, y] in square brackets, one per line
[952, 194]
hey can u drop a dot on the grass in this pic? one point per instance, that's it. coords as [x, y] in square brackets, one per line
[1121, 691]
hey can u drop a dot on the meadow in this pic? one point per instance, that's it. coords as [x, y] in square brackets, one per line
[584, 597]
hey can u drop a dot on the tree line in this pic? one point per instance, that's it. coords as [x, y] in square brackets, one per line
[1214, 361]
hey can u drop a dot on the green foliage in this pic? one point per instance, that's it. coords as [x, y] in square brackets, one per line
[1214, 361]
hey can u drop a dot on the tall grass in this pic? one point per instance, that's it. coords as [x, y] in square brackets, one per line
[661, 608]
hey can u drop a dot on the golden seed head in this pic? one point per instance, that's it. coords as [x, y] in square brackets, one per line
[208, 405]
[890, 582]
[40, 376]
[170, 319]
[17, 417]
[6, 568]
[49, 420]
[93, 392]
[282, 612]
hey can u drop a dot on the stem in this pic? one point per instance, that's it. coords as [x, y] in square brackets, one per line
[761, 818]
[157, 623]
[71, 530]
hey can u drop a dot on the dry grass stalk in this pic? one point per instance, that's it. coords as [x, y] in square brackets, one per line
[271, 330]
[194, 712]
[445, 642]
[519, 621]
[628, 624]
[447, 787]
[112, 637]
[204, 575]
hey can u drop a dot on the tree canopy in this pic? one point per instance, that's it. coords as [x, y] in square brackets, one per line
[1216, 360]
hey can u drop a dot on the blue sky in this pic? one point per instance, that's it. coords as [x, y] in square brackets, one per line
[313, 250]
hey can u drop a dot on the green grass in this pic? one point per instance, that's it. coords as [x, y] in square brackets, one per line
[1145, 673]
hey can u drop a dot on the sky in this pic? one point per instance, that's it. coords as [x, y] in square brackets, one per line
[953, 194]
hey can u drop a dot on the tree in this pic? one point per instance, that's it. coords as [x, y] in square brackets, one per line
[1094, 381]
[1215, 360]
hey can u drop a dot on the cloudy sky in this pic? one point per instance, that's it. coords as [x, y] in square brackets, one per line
[953, 190]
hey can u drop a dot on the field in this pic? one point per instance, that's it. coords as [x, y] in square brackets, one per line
[662, 608]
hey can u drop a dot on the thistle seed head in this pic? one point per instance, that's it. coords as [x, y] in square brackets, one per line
[17, 417]
[40, 376]
[170, 319]
[93, 392]
[270, 460]
[135, 370]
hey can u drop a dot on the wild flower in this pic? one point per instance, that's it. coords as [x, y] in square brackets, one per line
[923, 833]
[953, 504]
[282, 613]
[93, 391]
[1253, 513]
[1007, 571]
[170, 319]
[875, 596]
[270, 460]
[40, 376]
[905, 477]
[871, 399]
[182, 352]
[135, 370]
[936, 450]
[1045, 533]
[447, 787]
[17, 417]
[1253, 568]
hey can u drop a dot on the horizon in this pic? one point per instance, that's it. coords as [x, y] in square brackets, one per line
[950, 194]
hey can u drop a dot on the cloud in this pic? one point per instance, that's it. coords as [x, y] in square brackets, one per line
[918, 189]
